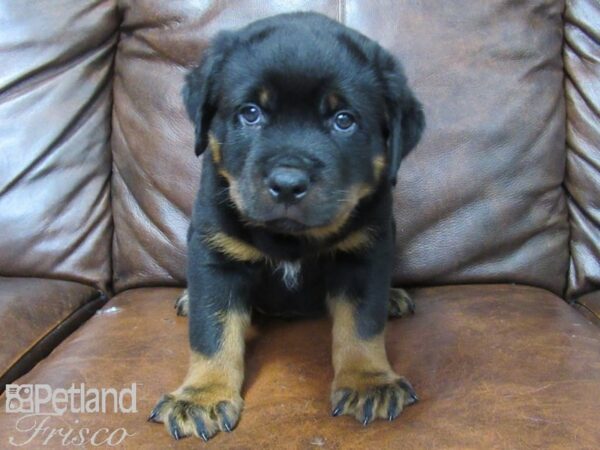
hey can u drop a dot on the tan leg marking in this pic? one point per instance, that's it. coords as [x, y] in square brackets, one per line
[209, 399]
[365, 385]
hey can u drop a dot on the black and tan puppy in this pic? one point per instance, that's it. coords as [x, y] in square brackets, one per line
[306, 122]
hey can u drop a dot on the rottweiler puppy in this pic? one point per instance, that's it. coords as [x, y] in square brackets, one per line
[306, 122]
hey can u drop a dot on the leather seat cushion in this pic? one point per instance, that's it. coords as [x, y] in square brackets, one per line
[494, 365]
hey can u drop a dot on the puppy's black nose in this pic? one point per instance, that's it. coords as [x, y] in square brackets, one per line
[287, 185]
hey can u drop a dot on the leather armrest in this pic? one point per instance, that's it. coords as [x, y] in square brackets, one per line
[589, 305]
[37, 314]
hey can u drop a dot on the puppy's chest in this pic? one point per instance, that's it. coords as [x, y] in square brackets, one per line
[296, 277]
[290, 273]
[292, 288]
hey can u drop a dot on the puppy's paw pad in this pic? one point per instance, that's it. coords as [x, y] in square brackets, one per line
[197, 411]
[182, 304]
[400, 303]
[377, 401]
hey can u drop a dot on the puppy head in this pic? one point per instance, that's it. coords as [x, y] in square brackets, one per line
[304, 117]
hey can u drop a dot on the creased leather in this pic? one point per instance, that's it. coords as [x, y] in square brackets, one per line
[582, 66]
[55, 162]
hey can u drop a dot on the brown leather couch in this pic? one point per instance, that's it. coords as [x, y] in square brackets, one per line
[498, 218]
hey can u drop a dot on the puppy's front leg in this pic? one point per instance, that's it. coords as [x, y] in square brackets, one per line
[365, 385]
[209, 399]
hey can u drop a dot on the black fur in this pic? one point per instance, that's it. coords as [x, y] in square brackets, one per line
[299, 59]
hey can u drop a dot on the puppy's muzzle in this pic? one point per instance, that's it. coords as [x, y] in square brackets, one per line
[287, 185]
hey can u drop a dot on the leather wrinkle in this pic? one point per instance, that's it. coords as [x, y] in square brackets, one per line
[148, 178]
[581, 54]
[84, 111]
[138, 206]
[53, 69]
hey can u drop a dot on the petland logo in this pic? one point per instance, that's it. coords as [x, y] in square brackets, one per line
[41, 403]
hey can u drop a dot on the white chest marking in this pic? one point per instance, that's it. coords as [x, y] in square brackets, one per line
[290, 273]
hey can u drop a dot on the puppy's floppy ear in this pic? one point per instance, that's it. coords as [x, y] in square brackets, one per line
[405, 118]
[202, 86]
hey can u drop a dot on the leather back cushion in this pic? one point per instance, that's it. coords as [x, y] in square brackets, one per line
[479, 200]
[582, 64]
[55, 162]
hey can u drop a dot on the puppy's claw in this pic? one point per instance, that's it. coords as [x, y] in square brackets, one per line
[190, 411]
[199, 425]
[412, 395]
[155, 413]
[182, 304]
[174, 428]
[374, 401]
[368, 412]
[225, 423]
[400, 303]
[340, 405]
[393, 411]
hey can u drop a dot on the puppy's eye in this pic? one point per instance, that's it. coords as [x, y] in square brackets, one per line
[344, 121]
[250, 114]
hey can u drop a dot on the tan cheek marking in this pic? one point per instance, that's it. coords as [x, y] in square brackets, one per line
[235, 195]
[235, 248]
[215, 148]
[355, 241]
[357, 362]
[360, 191]
[356, 194]
[225, 174]
[332, 228]
[215, 151]
[234, 191]
[378, 166]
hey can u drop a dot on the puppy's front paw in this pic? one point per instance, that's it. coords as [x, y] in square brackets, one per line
[201, 411]
[371, 395]
[182, 304]
[400, 303]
